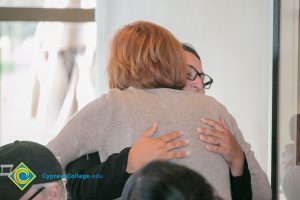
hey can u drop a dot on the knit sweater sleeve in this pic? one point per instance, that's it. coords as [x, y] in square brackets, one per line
[83, 132]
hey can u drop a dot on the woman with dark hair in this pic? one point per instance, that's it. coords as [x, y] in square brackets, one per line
[229, 147]
[167, 181]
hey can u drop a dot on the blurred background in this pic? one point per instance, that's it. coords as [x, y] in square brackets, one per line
[53, 55]
[46, 67]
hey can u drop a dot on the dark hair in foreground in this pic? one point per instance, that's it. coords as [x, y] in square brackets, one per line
[162, 180]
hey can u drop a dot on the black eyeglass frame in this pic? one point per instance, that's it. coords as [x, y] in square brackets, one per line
[207, 84]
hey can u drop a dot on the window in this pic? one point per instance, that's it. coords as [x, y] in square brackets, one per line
[46, 65]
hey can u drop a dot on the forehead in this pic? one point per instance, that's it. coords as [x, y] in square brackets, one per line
[191, 59]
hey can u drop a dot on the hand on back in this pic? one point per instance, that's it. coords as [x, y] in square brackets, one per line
[148, 148]
[219, 139]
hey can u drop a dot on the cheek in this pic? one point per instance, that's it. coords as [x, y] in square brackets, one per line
[188, 84]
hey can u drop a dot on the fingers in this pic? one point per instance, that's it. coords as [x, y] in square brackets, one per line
[210, 131]
[150, 131]
[176, 144]
[176, 154]
[223, 122]
[212, 140]
[171, 143]
[218, 129]
[214, 148]
[212, 123]
[170, 136]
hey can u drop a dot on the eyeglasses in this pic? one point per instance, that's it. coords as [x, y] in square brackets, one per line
[206, 79]
[36, 193]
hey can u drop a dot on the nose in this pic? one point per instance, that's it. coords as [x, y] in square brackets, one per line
[197, 83]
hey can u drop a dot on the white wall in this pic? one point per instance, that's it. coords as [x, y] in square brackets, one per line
[234, 39]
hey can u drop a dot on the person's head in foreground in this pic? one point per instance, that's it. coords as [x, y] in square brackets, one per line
[27, 163]
[197, 80]
[145, 55]
[166, 181]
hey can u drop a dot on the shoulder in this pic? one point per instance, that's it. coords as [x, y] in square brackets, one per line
[104, 99]
[208, 102]
[99, 105]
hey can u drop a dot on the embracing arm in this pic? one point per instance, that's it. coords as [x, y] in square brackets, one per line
[218, 139]
[110, 183]
[230, 143]
[261, 188]
[241, 185]
[117, 168]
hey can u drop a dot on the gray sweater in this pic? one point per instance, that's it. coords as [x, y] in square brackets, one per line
[115, 120]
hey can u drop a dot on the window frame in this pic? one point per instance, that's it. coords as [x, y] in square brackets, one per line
[47, 14]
